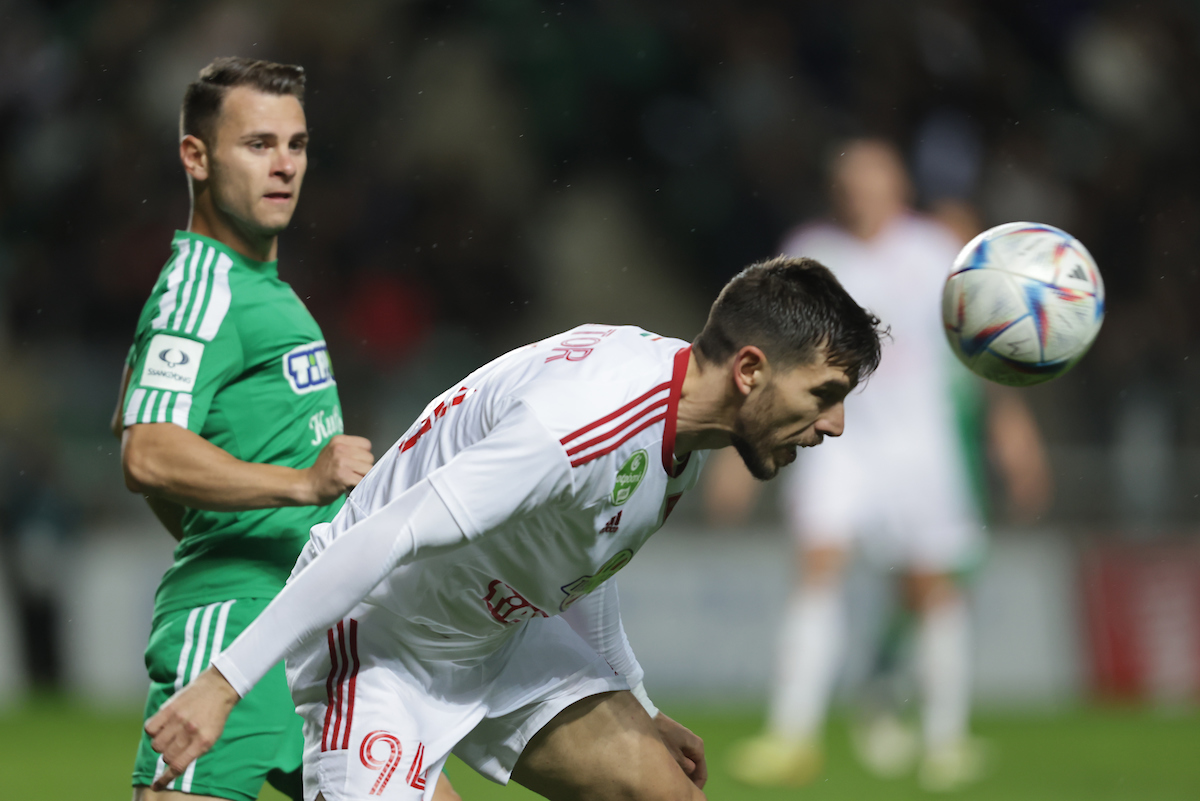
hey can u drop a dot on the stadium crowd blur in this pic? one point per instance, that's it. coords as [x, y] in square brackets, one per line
[484, 173]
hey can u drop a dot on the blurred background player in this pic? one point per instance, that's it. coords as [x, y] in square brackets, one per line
[229, 416]
[899, 484]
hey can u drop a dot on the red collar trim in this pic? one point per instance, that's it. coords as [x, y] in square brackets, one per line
[668, 447]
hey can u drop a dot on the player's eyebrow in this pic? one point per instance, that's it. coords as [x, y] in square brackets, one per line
[274, 136]
[833, 388]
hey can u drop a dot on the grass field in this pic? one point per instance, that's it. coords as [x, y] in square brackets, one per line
[53, 749]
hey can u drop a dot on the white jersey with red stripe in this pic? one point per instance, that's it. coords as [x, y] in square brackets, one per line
[580, 472]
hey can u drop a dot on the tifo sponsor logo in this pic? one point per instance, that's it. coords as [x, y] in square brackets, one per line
[629, 477]
[172, 363]
[507, 605]
[578, 346]
[325, 425]
[585, 584]
[307, 368]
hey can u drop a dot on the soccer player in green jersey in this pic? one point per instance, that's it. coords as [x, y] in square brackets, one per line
[229, 417]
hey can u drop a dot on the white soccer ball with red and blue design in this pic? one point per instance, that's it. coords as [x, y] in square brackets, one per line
[1023, 303]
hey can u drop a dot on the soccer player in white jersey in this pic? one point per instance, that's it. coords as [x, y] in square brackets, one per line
[898, 484]
[463, 599]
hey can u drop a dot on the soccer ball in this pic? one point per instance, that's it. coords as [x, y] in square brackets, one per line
[1023, 303]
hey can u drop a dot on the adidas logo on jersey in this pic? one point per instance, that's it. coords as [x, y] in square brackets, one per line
[611, 526]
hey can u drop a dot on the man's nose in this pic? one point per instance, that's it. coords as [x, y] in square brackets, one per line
[285, 165]
[832, 422]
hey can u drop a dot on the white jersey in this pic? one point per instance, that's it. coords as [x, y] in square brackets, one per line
[580, 432]
[430, 603]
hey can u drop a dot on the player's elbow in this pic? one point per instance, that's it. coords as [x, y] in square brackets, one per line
[137, 463]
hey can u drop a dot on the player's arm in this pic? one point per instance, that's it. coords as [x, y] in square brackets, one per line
[512, 471]
[168, 513]
[170, 462]
[596, 618]
[164, 408]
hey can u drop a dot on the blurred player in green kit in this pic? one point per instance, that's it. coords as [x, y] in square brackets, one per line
[229, 418]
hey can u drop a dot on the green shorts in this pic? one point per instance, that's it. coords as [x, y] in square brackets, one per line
[263, 740]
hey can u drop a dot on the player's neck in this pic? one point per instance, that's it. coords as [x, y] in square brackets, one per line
[704, 419]
[207, 220]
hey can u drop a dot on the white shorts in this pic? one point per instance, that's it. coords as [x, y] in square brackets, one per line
[380, 721]
[903, 505]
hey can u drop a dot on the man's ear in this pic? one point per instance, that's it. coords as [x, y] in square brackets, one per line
[749, 369]
[194, 155]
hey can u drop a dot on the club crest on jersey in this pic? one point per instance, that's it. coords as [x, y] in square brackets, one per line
[629, 477]
[307, 368]
[585, 584]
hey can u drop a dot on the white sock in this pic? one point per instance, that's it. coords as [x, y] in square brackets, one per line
[810, 647]
[943, 670]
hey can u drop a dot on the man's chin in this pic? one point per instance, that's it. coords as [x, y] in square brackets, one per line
[274, 227]
[761, 466]
[273, 222]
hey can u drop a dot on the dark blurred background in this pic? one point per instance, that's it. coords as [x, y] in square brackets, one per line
[484, 173]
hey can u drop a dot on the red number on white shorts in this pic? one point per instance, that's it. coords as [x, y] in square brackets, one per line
[387, 766]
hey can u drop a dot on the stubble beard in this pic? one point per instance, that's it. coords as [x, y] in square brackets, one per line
[761, 465]
[751, 438]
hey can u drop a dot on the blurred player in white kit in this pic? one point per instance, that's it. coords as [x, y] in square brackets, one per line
[898, 485]
[463, 598]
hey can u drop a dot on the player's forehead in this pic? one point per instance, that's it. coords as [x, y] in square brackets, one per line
[246, 110]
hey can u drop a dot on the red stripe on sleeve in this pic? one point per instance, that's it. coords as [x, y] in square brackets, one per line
[615, 414]
[612, 432]
[597, 454]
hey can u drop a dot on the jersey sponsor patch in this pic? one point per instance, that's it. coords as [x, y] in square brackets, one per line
[307, 368]
[629, 477]
[172, 363]
[507, 605]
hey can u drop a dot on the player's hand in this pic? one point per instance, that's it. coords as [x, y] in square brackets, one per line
[339, 467]
[188, 724]
[687, 748]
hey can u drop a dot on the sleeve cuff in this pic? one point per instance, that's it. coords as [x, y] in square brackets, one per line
[231, 674]
[639, 692]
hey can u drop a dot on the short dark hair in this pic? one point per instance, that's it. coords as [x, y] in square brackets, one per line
[792, 309]
[202, 100]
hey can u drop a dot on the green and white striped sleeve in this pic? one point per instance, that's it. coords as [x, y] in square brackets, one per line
[188, 349]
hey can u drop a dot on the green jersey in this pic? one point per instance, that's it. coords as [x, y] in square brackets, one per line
[226, 349]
